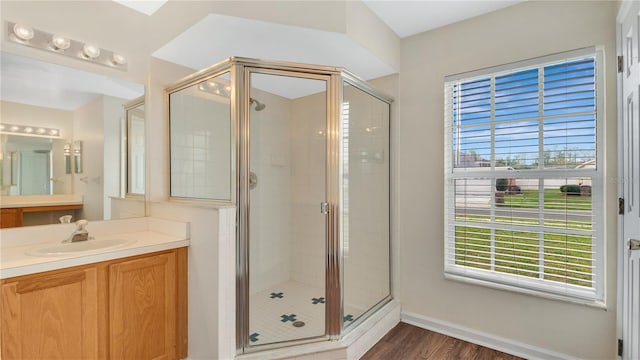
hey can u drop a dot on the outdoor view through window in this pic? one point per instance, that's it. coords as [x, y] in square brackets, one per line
[522, 177]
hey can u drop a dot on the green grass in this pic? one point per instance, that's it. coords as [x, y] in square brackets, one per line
[567, 258]
[552, 223]
[553, 200]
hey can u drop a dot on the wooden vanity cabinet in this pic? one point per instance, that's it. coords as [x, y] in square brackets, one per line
[10, 217]
[131, 308]
[51, 316]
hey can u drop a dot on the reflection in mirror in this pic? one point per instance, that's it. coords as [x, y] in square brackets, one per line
[60, 141]
[77, 157]
[200, 131]
[135, 148]
[31, 168]
[67, 158]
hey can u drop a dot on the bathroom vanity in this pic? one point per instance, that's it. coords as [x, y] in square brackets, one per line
[124, 301]
[14, 208]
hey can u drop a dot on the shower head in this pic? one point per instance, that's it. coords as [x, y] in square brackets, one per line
[259, 106]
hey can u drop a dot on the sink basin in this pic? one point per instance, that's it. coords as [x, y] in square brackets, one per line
[79, 247]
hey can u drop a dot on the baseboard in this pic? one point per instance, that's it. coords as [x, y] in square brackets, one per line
[487, 340]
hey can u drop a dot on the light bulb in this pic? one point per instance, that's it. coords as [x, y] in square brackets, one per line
[28, 130]
[41, 131]
[23, 32]
[60, 42]
[53, 132]
[14, 128]
[1, 127]
[119, 59]
[91, 51]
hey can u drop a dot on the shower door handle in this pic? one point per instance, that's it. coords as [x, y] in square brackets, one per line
[324, 208]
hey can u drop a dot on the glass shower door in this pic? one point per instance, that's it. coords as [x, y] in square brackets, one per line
[365, 202]
[287, 230]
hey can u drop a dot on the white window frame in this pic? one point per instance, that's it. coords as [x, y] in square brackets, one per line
[538, 287]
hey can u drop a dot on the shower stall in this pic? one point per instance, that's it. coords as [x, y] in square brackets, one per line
[303, 152]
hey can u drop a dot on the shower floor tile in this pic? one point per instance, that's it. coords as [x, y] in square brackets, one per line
[274, 311]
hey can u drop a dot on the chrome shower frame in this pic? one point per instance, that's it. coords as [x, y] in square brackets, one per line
[240, 70]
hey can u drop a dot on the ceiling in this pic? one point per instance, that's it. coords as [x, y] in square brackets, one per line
[197, 48]
[147, 7]
[408, 18]
[215, 37]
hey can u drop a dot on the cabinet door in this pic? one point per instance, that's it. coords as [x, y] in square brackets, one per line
[52, 316]
[10, 217]
[142, 304]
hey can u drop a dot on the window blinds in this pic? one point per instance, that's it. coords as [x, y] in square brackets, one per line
[523, 181]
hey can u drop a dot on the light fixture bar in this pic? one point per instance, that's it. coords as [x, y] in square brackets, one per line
[25, 35]
[29, 130]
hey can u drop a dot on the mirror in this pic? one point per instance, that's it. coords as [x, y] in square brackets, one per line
[77, 157]
[61, 134]
[31, 168]
[134, 159]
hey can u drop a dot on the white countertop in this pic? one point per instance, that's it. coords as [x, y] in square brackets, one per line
[166, 235]
[38, 200]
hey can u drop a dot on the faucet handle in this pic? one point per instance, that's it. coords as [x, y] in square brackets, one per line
[82, 224]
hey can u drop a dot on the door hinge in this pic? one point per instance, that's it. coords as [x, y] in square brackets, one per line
[620, 206]
[620, 63]
[620, 347]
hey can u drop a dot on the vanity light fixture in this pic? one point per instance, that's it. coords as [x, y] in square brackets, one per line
[119, 59]
[60, 43]
[23, 32]
[25, 35]
[28, 130]
[91, 51]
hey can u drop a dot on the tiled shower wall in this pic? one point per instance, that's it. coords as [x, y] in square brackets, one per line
[201, 148]
[270, 152]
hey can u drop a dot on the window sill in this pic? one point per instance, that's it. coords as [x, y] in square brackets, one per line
[541, 294]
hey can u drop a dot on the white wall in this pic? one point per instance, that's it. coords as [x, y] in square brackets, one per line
[520, 32]
[88, 127]
[113, 113]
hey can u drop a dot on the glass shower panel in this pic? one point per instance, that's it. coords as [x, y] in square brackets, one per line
[365, 202]
[200, 135]
[287, 246]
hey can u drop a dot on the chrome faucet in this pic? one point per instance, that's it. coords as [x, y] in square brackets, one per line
[81, 233]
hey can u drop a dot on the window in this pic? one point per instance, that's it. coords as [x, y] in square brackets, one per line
[523, 176]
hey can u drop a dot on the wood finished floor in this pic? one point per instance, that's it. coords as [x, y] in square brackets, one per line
[410, 342]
